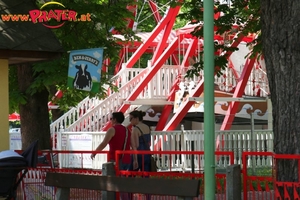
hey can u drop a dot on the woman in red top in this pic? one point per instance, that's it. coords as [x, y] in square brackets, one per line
[115, 137]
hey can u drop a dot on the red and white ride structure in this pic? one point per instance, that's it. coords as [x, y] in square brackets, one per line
[173, 52]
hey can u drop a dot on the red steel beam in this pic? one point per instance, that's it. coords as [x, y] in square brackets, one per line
[183, 109]
[233, 106]
[120, 61]
[132, 8]
[130, 21]
[176, 119]
[168, 108]
[181, 112]
[139, 52]
[154, 69]
[154, 10]
[189, 52]
[157, 18]
[164, 40]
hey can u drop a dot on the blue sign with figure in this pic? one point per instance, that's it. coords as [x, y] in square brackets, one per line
[85, 69]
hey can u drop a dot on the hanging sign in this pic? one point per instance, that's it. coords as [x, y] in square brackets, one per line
[85, 69]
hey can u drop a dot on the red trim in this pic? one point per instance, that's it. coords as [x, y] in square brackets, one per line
[118, 66]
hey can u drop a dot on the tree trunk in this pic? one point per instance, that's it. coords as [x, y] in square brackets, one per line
[34, 114]
[281, 49]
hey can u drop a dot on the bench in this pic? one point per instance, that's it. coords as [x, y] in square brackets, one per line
[183, 188]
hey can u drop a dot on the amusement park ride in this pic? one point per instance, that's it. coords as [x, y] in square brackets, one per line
[163, 82]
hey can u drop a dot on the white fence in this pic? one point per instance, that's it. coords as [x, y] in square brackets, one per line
[15, 141]
[236, 141]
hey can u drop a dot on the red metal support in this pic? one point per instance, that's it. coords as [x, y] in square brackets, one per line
[164, 40]
[233, 106]
[231, 66]
[133, 9]
[183, 109]
[167, 108]
[153, 70]
[120, 61]
[189, 52]
[139, 52]
[154, 10]
[179, 115]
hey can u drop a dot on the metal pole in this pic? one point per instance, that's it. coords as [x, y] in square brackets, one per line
[193, 156]
[209, 112]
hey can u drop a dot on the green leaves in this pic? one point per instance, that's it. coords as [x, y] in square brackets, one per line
[106, 16]
[239, 15]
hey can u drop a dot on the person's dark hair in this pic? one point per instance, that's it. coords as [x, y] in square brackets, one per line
[118, 116]
[138, 113]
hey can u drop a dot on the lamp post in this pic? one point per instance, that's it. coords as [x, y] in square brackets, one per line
[209, 113]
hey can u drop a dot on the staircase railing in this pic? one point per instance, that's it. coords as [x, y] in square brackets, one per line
[158, 88]
[92, 114]
[73, 114]
[96, 118]
[88, 103]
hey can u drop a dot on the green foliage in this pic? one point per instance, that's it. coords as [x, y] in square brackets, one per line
[15, 96]
[240, 16]
[105, 16]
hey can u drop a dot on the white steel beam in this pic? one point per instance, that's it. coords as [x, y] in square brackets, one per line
[239, 99]
[149, 102]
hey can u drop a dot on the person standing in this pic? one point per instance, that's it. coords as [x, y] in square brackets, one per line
[116, 137]
[140, 140]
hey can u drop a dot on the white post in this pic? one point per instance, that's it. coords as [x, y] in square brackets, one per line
[150, 84]
[59, 145]
[183, 147]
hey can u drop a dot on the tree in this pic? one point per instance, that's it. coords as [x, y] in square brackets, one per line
[31, 84]
[281, 52]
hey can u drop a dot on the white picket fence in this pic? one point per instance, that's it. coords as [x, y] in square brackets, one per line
[235, 141]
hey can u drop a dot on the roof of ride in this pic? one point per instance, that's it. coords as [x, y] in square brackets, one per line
[187, 29]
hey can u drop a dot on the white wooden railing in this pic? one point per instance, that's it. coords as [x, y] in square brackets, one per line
[75, 113]
[95, 119]
[235, 141]
[92, 114]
